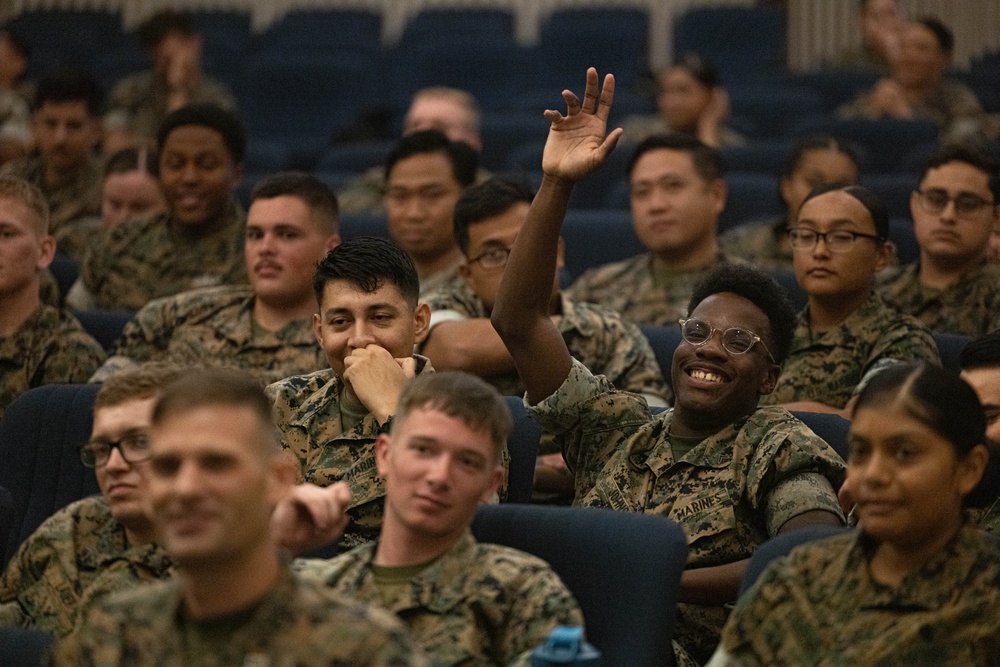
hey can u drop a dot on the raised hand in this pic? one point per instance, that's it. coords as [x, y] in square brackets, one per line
[377, 378]
[578, 142]
[311, 516]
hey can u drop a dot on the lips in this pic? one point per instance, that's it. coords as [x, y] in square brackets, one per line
[189, 200]
[705, 374]
[266, 268]
[820, 272]
[120, 489]
[876, 506]
[433, 503]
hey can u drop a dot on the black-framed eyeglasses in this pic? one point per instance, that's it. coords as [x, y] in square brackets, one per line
[492, 259]
[935, 200]
[133, 447]
[840, 240]
[735, 340]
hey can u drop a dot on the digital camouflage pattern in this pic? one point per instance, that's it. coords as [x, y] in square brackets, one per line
[763, 244]
[730, 493]
[477, 605]
[149, 257]
[215, 327]
[307, 413]
[602, 341]
[296, 623]
[820, 605]
[15, 119]
[443, 279]
[77, 198]
[639, 289]
[833, 366]
[139, 103]
[74, 238]
[364, 193]
[50, 348]
[969, 306]
[987, 518]
[77, 554]
[950, 105]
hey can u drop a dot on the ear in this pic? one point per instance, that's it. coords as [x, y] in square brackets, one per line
[237, 177]
[332, 241]
[770, 379]
[496, 479]
[317, 329]
[884, 254]
[786, 194]
[421, 320]
[971, 468]
[382, 445]
[47, 251]
[463, 270]
[719, 191]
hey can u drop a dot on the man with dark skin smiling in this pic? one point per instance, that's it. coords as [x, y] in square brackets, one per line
[730, 474]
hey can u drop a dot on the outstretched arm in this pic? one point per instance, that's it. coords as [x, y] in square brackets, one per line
[577, 144]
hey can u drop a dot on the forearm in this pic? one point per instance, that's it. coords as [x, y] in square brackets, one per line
[713, 586]
[815, 406]
[468, 345]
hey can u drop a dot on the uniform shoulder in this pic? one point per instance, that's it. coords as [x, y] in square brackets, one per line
[608, 274]
[205, 299]
[295, 389]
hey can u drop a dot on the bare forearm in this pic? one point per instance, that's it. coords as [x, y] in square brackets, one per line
[468, 345]
[713, 586]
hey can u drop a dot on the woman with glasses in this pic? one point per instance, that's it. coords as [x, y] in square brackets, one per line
[916, 583]
[846, 334]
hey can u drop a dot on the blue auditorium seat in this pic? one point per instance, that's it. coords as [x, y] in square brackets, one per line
[742, 42]
[893, 190]
[749, 196]
[594, 238]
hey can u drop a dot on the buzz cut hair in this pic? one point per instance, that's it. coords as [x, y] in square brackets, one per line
[20, 190]
[135, 384]
[314, 193]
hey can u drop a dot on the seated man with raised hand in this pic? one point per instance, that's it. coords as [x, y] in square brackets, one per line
[39, 344]
[102, 543]
[367, 324]
[464, 603]
[214, 477]
[846, 334]
[730, 473]
[264, 328]
[980, 362]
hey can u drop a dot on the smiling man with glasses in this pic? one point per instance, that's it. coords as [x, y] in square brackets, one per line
[955, 210]
[730, 473]
[846, 334]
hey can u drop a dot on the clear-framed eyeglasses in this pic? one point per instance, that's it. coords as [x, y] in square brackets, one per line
[735, 340]
[492, 259]
[841, 240]
[935, 201]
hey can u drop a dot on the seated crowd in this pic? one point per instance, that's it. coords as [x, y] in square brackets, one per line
[279, 387]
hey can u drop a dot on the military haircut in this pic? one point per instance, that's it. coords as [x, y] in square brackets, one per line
[212, 116]
[816, 142]
[973, 154]
[760, 289]
[144, 381]
[368, 263]
[464, 160]
[486, 200]
[17, 40]
[20, 190]
[700, 69]
[208, 387]
[70, 84]
[314, 193]
[460, 97]
[461, 396]
[707, 161]
[942, 33]
[867, 198]
[128, 160]
[164, 23]
[983, 352]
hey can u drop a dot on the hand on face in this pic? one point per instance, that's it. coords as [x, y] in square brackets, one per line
[311, 516]
[377, 378]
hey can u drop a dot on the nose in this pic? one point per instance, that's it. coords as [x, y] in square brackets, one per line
[821, 249]
[116, 462]
[361, 335]
[877, 470]
[189, 173]
[267, 243]
[439, 471]
[713, 347]
[948, 214]
[187, 480]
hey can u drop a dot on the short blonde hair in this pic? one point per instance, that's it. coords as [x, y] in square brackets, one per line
[20, 190]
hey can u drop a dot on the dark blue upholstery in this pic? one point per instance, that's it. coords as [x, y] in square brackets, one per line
[796, 295]
[830, 427]
[65, 270]
[779, 546]
[903, 237]
[624, 569]
[104, 325]
[743, 42]
[749, 196]
[40, 434]
[522, 444]
[23, 648]
[886, 140]
[950, 348]
[664, 339]
[354, 225]
[893, 190]
[594, 238]
[356, 157]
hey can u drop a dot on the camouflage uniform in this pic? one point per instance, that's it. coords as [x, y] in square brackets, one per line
[445, 279]
[763, 244]
[820, 605]
[365, 193]
[50, 347]
[833, 366]
[296, 623]
[604, 342]
[74, 239]
[149, 257]
[987, 518]
[478, 604]
[79, 552]
[15, 119]
[307, 412]
[969, 306]
[640, 289]
[952, 106]
[138, 103]
[215, 326]
[636, 129]
[74, 199]
[730, 493]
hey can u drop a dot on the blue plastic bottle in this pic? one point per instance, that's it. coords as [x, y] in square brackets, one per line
[565, 646]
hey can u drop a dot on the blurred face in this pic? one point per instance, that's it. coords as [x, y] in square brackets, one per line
[948, 236]
[209, 487]
[880, 18]
[23, 251]
[682, 98]
[283, 246]
[817, 167]
[489, 236]
[118, 479]
[420, 200]
[921, 60]
[350, 319]
[986, 382]
[456, 121]
[173, 48]
[197, 174]
[129, 194]
[824, 273]
[437, 470]
[12, 62]
[65, 134]
[905, 478]
[674, 210]
[709, 380]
